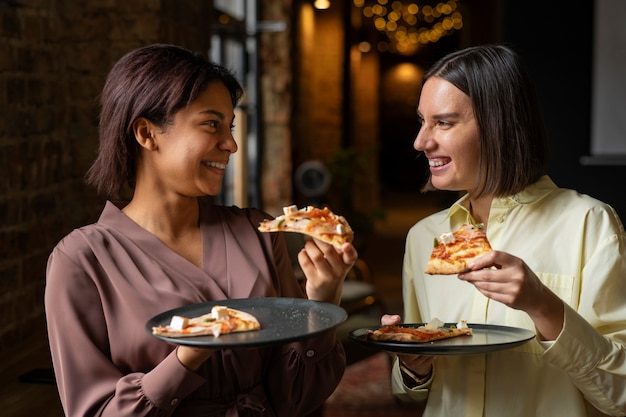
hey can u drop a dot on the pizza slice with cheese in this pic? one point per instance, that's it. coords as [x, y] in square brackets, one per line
[221, 320]
[320, 223]
[454, 251]
[433, 330]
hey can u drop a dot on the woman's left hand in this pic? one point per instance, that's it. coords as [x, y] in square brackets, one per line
[507, 279]
[325, 269]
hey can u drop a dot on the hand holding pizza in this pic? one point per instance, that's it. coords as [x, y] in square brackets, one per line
[508, 280]
[325, 267]
[327, 258]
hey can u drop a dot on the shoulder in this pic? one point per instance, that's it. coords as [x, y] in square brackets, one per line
[79, 240]
[234, 214]
[430, 226]
[570, 204]
[77, 249]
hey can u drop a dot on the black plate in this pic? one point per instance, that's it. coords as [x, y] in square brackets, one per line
[282, 320]
[486, 338]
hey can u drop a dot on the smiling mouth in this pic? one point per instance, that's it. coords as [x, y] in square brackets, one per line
[437, 162]
[214, 165]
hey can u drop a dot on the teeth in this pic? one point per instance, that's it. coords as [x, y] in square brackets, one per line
[215, 164]
[435, 163]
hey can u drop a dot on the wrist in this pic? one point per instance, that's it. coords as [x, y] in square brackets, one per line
[410, 378]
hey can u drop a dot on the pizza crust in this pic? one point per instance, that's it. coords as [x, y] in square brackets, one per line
[449, 267]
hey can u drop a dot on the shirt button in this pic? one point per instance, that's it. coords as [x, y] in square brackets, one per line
[174, 402]
[500, 219]
[310, 353]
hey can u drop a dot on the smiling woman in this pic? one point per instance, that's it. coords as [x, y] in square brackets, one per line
[187, 156]
[166, 131]
[483, 134]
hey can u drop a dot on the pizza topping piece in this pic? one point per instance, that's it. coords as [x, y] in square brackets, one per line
[454, 251]
[290, 209]
[219, 313]
[445, 238]
[434, 330]
[462, 325]
[434, 324]
[320, 223]
[179, 323]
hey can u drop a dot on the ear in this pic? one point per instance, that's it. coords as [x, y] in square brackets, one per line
[143, 130]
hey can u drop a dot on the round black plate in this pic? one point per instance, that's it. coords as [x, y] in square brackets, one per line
[486, 338]
[282, 320]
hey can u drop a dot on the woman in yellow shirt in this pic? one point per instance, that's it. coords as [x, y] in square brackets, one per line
[558, 267]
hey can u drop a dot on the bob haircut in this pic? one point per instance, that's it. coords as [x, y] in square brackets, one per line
[153, 82]
[513, 140]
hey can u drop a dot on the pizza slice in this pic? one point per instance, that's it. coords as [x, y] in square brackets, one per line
[221, 320]
[320, 223]
[454, 251]
[434, 330]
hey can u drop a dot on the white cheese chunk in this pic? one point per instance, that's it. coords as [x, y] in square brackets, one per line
[462, 324]
[290, 209]
[179, 323]
[434, 324]
[219, 313]
[340, 229]
[446, 238]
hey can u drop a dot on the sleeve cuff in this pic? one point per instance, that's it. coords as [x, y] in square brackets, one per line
[316, 348]
[170, 382]
[418, 393]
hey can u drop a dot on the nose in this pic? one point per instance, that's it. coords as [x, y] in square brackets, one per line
[228, 143]
[421, 139]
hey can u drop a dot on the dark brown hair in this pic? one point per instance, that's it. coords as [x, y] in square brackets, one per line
[153, 82]
[513, 139]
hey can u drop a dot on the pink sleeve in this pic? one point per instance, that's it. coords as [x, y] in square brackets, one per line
[305, 374]
[88, 382]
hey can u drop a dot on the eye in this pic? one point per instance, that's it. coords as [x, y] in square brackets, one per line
[232, 127]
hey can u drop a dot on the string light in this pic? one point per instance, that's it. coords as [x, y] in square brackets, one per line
[407, 25]
[321, 4]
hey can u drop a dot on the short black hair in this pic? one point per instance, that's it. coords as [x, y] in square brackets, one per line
[513, 138]
[153, 82]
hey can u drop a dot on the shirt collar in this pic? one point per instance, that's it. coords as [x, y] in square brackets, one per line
[531, 194]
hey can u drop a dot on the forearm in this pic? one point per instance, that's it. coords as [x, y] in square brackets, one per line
[548, 316]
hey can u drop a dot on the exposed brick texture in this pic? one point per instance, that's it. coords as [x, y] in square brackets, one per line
[54, 56]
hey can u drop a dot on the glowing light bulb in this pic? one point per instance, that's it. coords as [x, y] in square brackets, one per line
[321, 4]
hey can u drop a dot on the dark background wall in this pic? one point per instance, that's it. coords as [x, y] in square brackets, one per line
[556, 39]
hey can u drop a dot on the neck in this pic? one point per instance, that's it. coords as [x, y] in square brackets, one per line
[479, 208]
[163, 217]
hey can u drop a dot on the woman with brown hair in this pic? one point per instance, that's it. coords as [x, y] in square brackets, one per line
[558, 268]
[166, 131]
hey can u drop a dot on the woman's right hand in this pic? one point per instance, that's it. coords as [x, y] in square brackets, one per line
[192, 358]
[421, 365]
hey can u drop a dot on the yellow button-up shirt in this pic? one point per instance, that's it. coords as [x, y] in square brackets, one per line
[577, 246]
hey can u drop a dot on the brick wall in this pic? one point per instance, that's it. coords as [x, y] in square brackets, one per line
[54, 56]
